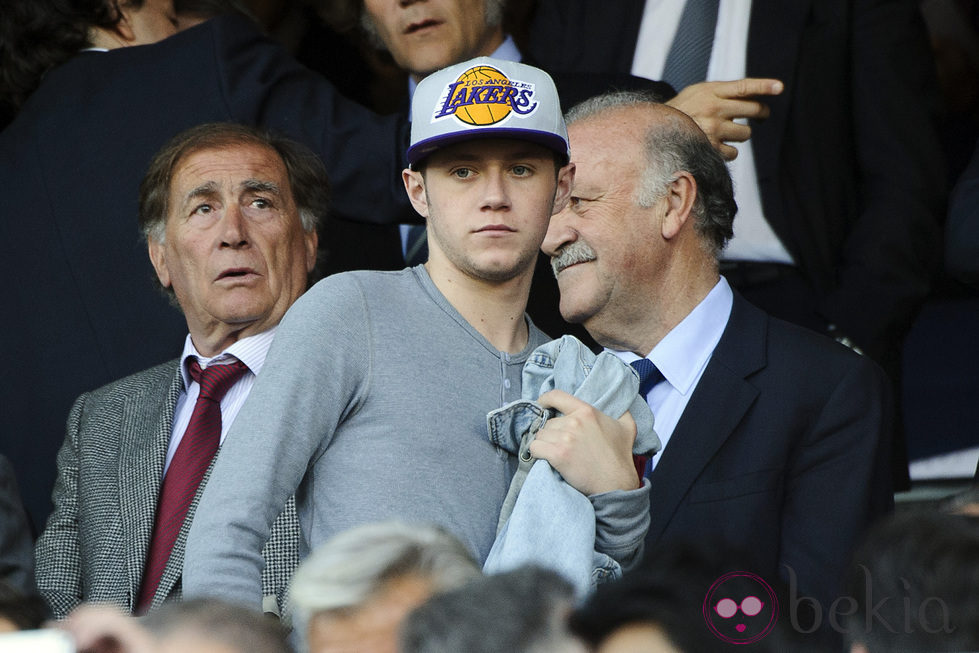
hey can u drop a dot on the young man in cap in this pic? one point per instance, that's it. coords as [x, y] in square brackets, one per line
[373, 401]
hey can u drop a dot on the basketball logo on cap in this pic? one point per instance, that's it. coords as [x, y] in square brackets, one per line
[483, 95]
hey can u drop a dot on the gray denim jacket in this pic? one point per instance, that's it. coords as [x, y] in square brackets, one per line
[544, 520]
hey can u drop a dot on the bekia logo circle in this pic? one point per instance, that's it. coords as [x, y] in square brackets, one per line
[740, 608]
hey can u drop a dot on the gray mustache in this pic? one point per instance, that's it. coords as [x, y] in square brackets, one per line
[576, 252]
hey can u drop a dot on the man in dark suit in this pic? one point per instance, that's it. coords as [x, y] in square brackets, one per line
[774, 437]
[230, 216]
[848, 163]
[71, 164]
[841, 190]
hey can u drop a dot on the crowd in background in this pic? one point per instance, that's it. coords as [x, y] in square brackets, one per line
[863, 158]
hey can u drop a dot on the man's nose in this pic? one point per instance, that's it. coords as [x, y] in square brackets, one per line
[559, 233]
[495, 193]
[233, 228]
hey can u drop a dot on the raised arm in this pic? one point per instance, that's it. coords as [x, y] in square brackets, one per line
[715, 106]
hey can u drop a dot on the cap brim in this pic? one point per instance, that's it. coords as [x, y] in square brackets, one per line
[422, 149]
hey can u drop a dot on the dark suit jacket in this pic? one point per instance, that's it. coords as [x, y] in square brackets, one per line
[79, 291]
[110, 469]
[16, 559]
[962, 230]
[849, 163]
[780, 452]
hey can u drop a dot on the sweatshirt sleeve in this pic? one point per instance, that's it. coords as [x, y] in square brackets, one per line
[621, 522]
[316, 371]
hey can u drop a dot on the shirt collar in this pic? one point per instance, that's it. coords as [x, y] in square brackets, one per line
[251, 351]
[684, 351]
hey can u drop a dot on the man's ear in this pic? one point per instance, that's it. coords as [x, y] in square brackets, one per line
[680, 196]
[158, 257]
[124, 27]
[311, 239]
[565, 181]
[415, 187]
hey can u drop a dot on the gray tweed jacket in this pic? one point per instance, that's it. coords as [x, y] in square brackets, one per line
[110, 468]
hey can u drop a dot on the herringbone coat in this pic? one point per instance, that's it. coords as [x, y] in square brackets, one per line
[110, 469]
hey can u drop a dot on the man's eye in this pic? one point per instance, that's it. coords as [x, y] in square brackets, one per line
[462, 173]
[521, 171]
[261, 203]
[202, 209]
[574, 202]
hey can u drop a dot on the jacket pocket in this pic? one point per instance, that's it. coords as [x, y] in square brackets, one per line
[766, 480]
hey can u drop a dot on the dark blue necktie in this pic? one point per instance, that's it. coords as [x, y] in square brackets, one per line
[649, 375]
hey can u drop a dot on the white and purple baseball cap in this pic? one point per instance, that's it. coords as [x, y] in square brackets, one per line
[486, 98]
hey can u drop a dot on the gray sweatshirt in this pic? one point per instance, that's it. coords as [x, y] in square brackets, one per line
[371, 405]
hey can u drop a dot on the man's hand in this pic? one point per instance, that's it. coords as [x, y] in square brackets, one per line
[592, 451]
[105, 629]
[715, 106]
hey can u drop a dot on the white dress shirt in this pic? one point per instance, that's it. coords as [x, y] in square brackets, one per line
[754, 239]
[682, 356]
[251, 351]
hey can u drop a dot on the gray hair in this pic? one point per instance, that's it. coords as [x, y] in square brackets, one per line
[524, 610]
[675, 144]
[307, 174]
[241, 629]
[353, 566]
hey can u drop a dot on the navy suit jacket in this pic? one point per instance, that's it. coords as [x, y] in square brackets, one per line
[849, 163]
[78, 291]
[781, 452]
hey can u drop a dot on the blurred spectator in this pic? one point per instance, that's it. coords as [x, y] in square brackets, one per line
[200, 626]
[353, 592]
[913, 583]
[16, 543]
[521, 611]
[209, 626]
[89, 122]
[20, 610]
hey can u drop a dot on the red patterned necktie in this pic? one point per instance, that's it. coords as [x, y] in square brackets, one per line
[187, 468]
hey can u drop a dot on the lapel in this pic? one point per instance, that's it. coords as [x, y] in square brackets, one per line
[774, 34]
[717, 406]
[174, 570]
[147, 419]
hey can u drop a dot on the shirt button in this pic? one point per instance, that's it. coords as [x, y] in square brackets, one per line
[506, 383]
